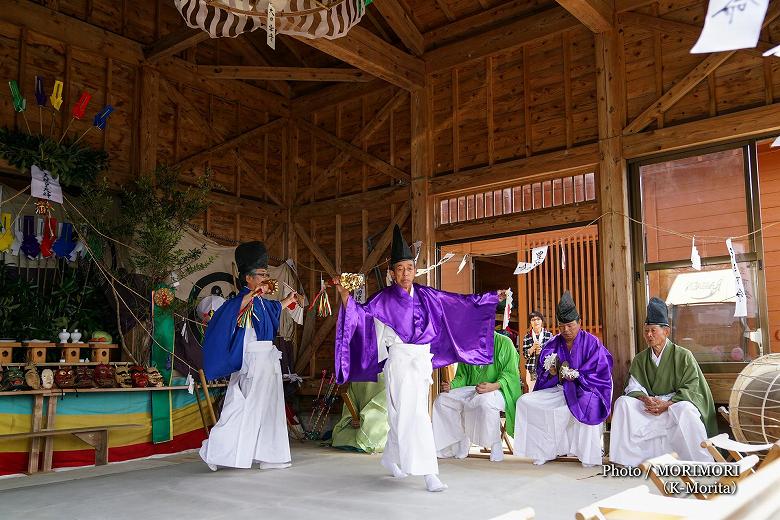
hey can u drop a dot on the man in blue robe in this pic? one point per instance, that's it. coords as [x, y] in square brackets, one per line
[238, 343]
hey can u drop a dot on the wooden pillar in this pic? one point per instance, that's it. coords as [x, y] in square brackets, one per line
[617, 271]
[290, 176]
[422, 171]
[147, 126]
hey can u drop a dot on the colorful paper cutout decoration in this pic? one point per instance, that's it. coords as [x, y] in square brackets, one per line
[56, 95]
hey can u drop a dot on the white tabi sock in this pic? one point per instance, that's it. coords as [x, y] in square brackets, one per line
[397, 473]
[497, 452]
[212, 467]
[432, 483]
[275, 465]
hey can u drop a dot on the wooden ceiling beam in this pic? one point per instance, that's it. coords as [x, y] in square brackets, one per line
[381, 116]
[596, 15]
[573, 160]
[358, 153]
[335, 94]
[229, 144]
[444, 8]
[72, 31]
[283, 73]
[362, 49]
[174, 43]
[396, 17]
[687, 83]
[384, 241]
[316, 250]
[350, 203]
[467, 26]
[252, 56]
[510, 36]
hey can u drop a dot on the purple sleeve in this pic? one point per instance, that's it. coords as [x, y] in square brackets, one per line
[590, 395]
[356, 353]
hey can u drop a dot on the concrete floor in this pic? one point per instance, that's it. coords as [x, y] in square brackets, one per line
[323, 484]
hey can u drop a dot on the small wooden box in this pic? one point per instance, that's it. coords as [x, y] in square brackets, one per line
[71, 352]
[7, 351]
[36, 352]
[101, 352]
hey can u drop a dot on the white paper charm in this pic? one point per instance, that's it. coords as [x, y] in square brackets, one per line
[563, 258]
[507, 309]
[190, 384]
[463, 263]
[776, 142]
[360, 294]
[538, 254]
[741, 307]
[695, 258]
[270, 29]
[417, 247]
[446, 258]
[44, 185]
[731, 25]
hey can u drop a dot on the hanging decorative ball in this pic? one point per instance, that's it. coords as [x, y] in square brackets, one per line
[42, 207]
[352, 281]
[163, 297]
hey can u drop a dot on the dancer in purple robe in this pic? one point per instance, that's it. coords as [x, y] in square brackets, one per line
[572, 396]
[407, 330]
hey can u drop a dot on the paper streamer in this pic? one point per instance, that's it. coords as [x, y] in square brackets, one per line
[446, 258]
[695, 258]
[270, 29]
[731, 25]
[538, 254]
[507, 309]
[56, 95]
[44, 185]
[563, 258]
[741, 308]
[463, 263]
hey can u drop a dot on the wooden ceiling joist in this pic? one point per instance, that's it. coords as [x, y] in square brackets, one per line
[335, 94]
[684, 85]
[358, 153]
[362, 49]
[395, 16]
[174, 43]
[501, 39]
[376, 122]
[351, 203]
[316, 250]
[252, 56]
[384, 241]
[596, 15]
[283, 73]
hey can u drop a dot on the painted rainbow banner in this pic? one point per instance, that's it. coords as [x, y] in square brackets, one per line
[99, 409]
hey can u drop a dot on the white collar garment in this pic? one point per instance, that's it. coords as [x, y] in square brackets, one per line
[657, 359]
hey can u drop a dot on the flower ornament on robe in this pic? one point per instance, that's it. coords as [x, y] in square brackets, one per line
[30, 245]
[567, 372]
[551, 363]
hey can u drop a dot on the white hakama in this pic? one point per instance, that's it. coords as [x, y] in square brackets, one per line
[636, 435]
[462, 417]
[545, 429]
[408, 381]
[252, 425]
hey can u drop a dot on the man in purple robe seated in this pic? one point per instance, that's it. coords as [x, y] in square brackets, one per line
[409, 329]
[572, 397]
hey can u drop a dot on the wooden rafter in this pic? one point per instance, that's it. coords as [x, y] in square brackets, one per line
[596, 15]
[271, 194]
[252, 56]
[395, 16]
[444, 8]
[335, 94]
[476, 22]
[228, 144]
[512, 35]
[351, 203]
[684, 85]
[384, 241]
[283, 73]
[358, 153]
[174, 43]
[316, 250]
[382, 115]
[368, 52]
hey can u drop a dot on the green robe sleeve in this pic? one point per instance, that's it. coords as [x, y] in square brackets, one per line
[507, 362]
[693, 387]
[462, 376]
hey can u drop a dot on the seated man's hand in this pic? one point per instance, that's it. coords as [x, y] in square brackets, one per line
[656, 406]
[356, 423]
[484, 388]
[445, 387]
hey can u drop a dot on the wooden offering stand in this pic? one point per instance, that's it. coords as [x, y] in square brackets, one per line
[101, 352]
[36, 352]
[71, 352]
[7, 351]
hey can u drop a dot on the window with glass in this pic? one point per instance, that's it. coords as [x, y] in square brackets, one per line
[708, 195]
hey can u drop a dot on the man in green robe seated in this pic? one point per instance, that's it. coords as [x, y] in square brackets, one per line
[668, 406]
[369, 432]
[468, 409]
